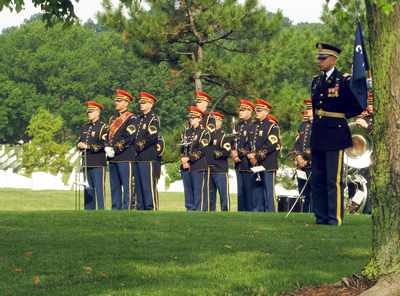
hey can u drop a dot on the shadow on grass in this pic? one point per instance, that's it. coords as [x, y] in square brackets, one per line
[120, 253]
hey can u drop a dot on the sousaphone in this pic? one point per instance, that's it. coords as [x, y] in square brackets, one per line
[356, 158]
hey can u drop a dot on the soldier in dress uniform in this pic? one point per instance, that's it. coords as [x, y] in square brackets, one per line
[243, 132]
[145, 166]
[266, 145]
[217, 158]
[121, 153]
[333, 103]
[302, 154]
[202, 102]
[91, 142]
[193, 160]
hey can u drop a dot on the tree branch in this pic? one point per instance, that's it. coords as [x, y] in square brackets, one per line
[192, 24]
[223, 36]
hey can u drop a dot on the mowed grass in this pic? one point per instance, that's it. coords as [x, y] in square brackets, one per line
[173, 253]
[45, 200]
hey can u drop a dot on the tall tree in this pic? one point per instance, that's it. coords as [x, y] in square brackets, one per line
[197, 36]
[384, 36]
[383, 18]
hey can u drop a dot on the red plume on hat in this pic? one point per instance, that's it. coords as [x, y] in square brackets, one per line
[147, 96]
[123, 94]
[247, 104]
[195, 112]
[217, 115]
[93, 105]
[263, 104]
[201, 95]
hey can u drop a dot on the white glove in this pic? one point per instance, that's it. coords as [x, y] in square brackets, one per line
[110, 153]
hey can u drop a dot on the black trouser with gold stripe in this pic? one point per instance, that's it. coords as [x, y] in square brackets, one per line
[327, 186]
[94, 194]
[146, 185]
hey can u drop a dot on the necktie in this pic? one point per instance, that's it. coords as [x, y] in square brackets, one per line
[323, 80]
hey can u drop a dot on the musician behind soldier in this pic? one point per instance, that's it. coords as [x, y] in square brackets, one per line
[91, 143]
[243, 132]
[121, 153]
[266, 145]
[365, 120]
[145, 165]
[302, 152]
[193, 161]
[203, 100]
[217, 158]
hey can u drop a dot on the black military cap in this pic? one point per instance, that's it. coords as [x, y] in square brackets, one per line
[327, 49]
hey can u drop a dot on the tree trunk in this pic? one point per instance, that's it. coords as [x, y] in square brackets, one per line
[197, 57]
[197, 66]
[384, 34]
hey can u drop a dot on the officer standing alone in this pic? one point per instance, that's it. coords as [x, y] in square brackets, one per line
[333, 103]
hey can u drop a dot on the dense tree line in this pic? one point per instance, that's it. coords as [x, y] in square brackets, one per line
[59, 67]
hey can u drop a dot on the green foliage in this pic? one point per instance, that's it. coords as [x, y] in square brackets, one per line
[205, 40]
[173, 172]
[172, 149]
[43, 153]
[58, 68]
[341, 23]
[53, 11]
[171, 156]
[371, 270]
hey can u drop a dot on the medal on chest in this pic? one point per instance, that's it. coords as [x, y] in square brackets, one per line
[333, 92]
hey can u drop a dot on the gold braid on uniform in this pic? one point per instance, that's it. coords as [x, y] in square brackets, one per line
[120, 145]
[94, 147]
[262, 154]
[217, 154]
[195, 156]
[140, 145]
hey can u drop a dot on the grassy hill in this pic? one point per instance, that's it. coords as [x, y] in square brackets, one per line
[174, 253]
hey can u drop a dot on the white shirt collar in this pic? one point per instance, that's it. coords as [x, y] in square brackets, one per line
[329, 73]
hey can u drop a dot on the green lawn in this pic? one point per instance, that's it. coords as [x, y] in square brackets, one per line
[169, 253]
[28, 200]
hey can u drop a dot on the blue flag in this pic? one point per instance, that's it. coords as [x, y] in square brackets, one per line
[358, 83]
